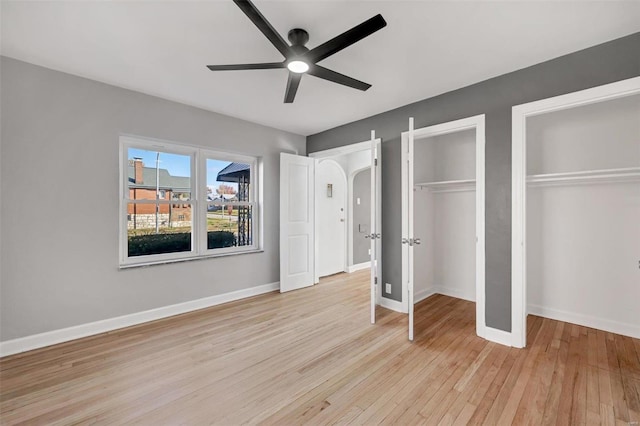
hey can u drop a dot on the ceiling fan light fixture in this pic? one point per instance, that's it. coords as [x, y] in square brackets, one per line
[298, 66]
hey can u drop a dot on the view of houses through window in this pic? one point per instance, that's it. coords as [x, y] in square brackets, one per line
[228, 200]
[161, 210]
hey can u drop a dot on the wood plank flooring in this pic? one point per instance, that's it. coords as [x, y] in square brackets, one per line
[311, 357]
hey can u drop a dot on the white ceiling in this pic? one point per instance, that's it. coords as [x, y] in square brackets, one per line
[428, 48]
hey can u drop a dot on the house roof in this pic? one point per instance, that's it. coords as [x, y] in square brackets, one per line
[233, 172]
[167, 181]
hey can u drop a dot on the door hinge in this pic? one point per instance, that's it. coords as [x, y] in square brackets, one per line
[375, 162]
[375, 280]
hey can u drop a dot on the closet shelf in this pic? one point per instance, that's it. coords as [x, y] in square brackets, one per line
[627, 174]
[449, 185]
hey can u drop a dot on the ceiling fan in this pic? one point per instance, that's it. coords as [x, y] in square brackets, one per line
[299, 59]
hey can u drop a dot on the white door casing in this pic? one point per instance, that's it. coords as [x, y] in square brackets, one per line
[297, 221]
[408, 237]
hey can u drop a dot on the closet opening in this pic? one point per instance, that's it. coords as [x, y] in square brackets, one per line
[576, 233]
[443, 238]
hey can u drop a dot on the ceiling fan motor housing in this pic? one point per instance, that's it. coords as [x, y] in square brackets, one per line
[298, 37]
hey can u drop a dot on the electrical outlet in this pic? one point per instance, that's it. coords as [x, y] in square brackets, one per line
[387, 288]
[358, 201]
[369, 252]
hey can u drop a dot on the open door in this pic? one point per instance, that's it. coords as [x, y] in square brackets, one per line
[297, 221]
[376, 224]
[407, 219]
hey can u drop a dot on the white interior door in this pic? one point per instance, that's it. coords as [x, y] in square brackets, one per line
[376, 224]
[297, 221]
[407, 219]
[331, 213]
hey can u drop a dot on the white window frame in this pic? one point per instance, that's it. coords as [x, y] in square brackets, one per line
[206, 154]
[198, 201]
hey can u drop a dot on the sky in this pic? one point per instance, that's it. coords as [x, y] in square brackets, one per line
[180, 165]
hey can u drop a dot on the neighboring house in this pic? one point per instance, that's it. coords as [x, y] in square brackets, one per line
[142, 186]
[220, 198]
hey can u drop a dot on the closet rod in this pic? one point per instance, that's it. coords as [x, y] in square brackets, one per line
[627, 174]
[449, 185]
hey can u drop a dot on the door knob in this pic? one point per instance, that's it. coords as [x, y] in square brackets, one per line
[411, 241]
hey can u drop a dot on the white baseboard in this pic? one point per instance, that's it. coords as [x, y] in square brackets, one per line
[48, 338]
[394, 305]
[454, 292]
[359, 267]
[446, 291]
[631, 330]
[423, 294]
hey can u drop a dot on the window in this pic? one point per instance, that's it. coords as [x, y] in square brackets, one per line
[182, 202]
[230, 203]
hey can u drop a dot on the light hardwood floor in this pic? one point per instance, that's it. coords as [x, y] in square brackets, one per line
[311, 356]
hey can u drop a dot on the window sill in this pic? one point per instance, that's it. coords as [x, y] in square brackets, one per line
[186, 259]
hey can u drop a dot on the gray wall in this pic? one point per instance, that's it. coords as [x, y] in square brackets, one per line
[605, 63]
[59, 181]
[361, 216]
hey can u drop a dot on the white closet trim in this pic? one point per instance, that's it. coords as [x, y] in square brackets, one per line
[476, 123]
[520, 113]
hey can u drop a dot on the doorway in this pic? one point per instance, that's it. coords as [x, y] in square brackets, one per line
[352, 160]
[315, 195]
[443, 214]
[359, 247]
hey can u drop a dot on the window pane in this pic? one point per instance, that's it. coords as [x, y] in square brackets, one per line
[154, 174]
[229, 226]
[228, 181]
[158, 228]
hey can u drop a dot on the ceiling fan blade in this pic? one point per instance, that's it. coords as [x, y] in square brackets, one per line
[264, 26]
[292, 87]
[336, 77]
[234, 67]
[346, 39]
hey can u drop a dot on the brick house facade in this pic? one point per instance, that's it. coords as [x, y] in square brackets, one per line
[142, 186]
